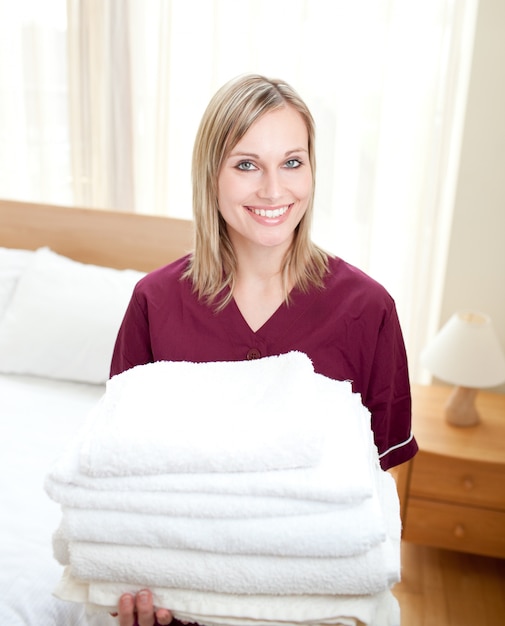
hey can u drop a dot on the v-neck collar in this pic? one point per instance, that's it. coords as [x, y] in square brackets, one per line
[264, 326]
[281, 319]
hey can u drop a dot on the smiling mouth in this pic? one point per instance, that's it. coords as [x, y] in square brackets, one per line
[277, 212]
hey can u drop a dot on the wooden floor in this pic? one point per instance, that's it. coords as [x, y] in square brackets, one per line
[445, 588]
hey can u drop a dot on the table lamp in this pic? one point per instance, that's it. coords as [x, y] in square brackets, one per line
[467, 353]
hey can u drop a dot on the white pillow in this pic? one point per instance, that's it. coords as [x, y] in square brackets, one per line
[13, 262]
[63, 319]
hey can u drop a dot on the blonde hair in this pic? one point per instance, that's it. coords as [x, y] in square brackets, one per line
[229, 115]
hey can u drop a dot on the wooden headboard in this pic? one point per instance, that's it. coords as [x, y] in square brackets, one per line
[109, 238]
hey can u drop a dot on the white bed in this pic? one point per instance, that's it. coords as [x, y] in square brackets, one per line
[55, 344]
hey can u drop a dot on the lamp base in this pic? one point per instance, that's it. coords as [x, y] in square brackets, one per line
[460, 408]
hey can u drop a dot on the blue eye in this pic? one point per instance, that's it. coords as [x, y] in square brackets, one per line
[293, 163]
[246, 166]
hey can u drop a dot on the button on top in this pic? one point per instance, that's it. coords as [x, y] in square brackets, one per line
[253, 353]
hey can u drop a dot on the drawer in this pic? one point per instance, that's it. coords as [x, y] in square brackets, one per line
[455, 527]
[437, 477]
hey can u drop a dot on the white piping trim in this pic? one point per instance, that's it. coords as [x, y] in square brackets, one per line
[398, 445]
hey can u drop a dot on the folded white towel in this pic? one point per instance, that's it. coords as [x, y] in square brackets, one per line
[207, 505]
[343, 475]
[265, 414]
[344, 531]
[370, 572]
[268, 610]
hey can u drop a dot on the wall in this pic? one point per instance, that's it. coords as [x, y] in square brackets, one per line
[475, 276]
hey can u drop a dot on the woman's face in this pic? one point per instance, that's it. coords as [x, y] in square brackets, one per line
[265, 184]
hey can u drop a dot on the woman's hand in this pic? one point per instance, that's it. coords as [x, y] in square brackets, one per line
[139, 610]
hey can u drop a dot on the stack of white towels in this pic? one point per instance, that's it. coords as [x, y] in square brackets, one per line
[242, 494]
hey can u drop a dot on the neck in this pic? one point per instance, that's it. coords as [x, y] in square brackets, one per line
[260, 267]
[258, 290]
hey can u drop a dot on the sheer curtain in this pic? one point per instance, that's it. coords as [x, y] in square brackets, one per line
[386, 82]
[34, 133]
[100, 102]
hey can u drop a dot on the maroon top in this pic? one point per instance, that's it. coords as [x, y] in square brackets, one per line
[349, 330]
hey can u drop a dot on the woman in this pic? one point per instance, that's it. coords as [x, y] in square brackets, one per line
[256, 285]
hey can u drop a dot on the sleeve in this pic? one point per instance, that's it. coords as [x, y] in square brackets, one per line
[133, 342]
[388, 395]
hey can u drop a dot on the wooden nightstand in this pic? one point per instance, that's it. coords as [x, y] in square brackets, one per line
[453, 491]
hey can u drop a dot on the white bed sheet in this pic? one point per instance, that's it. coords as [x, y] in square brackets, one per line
[37, 418]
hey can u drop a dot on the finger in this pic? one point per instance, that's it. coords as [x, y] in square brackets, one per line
[145, 609]
[126, 610]
[163, 617]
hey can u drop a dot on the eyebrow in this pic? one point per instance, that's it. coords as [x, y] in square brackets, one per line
[257, 156]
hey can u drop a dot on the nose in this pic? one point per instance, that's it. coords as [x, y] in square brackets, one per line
[271, 185]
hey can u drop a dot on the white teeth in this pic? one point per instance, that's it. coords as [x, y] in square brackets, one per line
[270, 212]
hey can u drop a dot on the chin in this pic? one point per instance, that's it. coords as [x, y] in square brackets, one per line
[274, 242]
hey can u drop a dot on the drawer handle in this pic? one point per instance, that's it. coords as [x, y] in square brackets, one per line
[459, 531]
[468, 483]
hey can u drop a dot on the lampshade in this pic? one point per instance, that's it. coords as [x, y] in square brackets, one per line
[466, 352]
